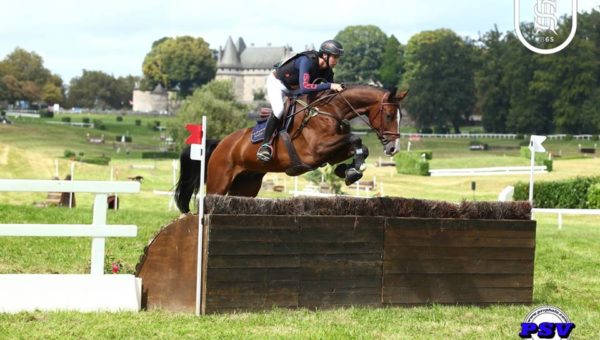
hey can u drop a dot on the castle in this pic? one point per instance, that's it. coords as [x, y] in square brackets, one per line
[247, 67]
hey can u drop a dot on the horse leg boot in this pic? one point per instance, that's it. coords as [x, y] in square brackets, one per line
[265, 152]
[354, 171]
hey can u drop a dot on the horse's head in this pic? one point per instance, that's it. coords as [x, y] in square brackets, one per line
[383, 110]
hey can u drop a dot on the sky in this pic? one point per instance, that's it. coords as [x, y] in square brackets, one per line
[115, 36]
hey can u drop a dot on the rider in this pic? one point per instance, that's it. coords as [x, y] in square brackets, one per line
[296, 76]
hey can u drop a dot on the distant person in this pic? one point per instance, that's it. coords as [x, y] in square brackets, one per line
[296, 76]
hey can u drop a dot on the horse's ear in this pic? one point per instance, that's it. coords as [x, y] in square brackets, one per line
[401, 95]
[392, 90]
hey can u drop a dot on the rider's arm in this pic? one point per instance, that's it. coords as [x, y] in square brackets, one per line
[305, 82]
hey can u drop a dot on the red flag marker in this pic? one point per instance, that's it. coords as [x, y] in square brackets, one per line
[196, 134]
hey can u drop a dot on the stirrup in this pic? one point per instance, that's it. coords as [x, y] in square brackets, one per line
[265, 153]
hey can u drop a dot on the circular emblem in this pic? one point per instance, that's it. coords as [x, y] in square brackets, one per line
[549, 319]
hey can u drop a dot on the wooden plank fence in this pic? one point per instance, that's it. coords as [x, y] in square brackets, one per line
[258, 262]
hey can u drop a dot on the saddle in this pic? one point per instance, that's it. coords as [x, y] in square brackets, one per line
[258, 131]
[258, 135]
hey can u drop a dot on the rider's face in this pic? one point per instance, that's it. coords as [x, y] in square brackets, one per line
[333, 60]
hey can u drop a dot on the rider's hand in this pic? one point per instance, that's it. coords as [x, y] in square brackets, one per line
[336, 87]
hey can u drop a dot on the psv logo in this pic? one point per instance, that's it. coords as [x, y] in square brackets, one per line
[546, 322]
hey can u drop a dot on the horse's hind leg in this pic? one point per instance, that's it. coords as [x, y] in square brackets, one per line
[218, 183]
[246, 184]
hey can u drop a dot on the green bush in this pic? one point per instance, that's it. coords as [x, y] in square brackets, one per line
[567, 194]
[549, 163]
[99, 125]
[138, 122]
[594, 196]
[66, 119]
[69, 153]
[46, 114]
[101, 160]
[85, 120]
[160, 154]
[412, 163]
[119, 118]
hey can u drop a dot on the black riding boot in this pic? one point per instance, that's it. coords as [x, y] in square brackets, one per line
[265, 152]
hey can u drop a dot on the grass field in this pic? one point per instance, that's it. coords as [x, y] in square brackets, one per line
[566, 268]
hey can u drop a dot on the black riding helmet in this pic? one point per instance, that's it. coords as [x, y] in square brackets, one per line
[332, 47]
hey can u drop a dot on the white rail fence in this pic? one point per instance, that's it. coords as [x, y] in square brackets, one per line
[83, 292]
[561, 212]
[492, 171]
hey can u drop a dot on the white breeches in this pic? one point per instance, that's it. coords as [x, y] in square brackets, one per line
[275, 93]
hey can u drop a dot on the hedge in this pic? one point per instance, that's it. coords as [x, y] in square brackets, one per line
[160, 154]
[412, 163]
[594, 196]
[567, 194]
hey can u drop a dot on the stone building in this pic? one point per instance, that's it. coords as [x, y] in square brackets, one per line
[155, 101]
[247, 67]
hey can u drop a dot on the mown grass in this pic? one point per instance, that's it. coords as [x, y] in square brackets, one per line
[566, 267]
[566, 275]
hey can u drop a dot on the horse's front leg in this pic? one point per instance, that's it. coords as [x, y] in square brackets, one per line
[354, 171]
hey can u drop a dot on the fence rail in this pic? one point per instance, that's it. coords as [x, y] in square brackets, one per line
[91, 292]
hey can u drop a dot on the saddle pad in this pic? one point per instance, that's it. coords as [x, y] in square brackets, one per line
[258, 132]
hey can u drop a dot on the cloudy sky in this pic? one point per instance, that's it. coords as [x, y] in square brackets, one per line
[114, 36]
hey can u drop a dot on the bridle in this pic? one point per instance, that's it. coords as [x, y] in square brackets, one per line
[383, 135]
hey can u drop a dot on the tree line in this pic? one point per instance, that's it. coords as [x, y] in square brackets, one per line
[451, 79]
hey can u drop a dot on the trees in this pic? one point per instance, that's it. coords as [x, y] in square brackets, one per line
[185, 61]
[439, 74]
[96, 89]
[363, 46]
[492, 93]
[392, 66]
[24, 77]
[217, 101]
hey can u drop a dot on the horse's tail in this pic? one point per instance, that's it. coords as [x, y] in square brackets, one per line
[189, 176]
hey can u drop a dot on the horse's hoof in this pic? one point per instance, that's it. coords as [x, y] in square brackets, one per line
[340, 170]
[352, 175]
[362, 167]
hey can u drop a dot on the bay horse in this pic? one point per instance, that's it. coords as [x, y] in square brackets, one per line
[320, 134]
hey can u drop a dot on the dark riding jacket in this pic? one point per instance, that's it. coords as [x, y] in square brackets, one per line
[300, 71]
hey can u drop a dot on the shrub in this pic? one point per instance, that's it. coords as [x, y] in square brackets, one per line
[119, 118]
[85, 120]
[412, 163]
[46, 114]
[99, 125]
[66, 119]
[101, 160]
[594, 196]
[426, 130]
[138, 122]
[567, 194]
[68, 153]
[568, 137]
[549, 164]
[160, 154]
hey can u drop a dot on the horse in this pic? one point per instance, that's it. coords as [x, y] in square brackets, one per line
[319, 134]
